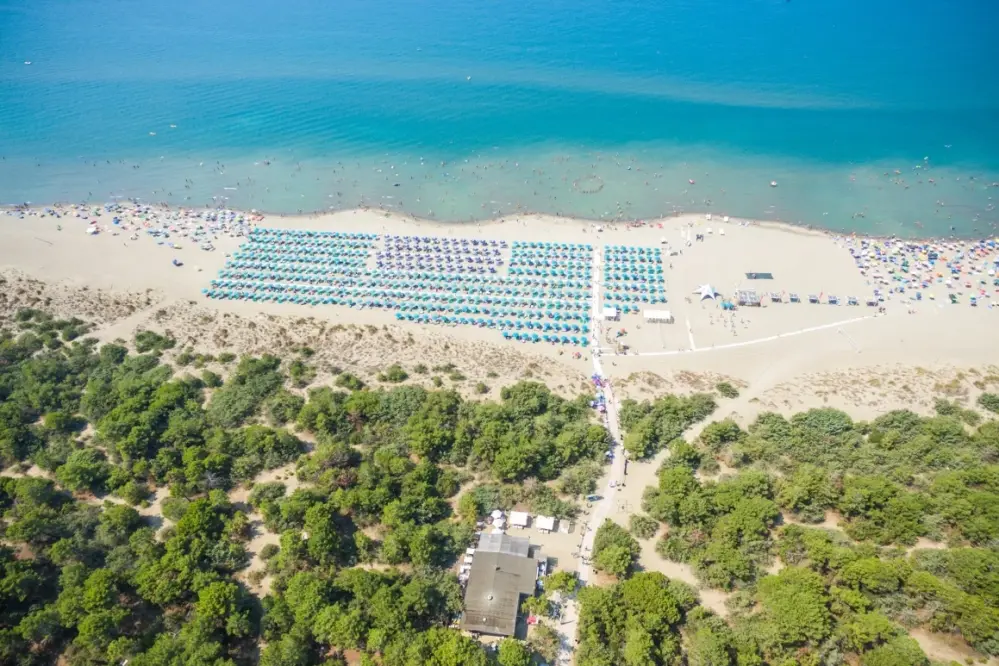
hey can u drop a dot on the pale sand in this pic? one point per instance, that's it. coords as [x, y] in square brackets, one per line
[783, 357]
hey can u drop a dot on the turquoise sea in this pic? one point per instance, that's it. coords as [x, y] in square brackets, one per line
[871, 115]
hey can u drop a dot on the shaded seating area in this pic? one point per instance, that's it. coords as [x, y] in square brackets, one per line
[633, 274]
[424, 279]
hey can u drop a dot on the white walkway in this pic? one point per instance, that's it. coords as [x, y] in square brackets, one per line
[771, 338]
[602, 508]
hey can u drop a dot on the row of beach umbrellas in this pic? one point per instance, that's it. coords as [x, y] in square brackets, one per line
[310, 243]
[440, 240]
[410, 280]
[271, 232]
[552, 308]
[635, 298]
[560, 324]
[546, 245]
[612, 250]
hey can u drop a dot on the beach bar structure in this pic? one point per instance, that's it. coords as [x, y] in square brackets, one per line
[545, 524]
[747, 297]
[659, 316]
[502, 572]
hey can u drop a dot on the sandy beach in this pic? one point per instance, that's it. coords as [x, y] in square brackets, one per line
[127, 279]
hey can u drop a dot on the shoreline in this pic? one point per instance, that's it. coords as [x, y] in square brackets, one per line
[409, 218]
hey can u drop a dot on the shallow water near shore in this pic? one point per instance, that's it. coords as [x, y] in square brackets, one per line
[461, 112]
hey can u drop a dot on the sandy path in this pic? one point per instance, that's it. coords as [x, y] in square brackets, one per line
[260, 535]
[948, 649]
[614, 478]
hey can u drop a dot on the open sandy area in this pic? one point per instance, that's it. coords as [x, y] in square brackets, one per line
[125, 280]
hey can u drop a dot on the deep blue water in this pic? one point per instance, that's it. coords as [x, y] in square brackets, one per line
[383, 101]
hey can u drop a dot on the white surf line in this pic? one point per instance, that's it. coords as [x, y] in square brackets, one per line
[747, 343]
[690, 335]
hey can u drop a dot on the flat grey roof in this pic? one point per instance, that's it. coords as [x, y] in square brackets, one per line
[492, 597]
[503, 543]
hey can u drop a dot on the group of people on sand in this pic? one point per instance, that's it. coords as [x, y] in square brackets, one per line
[167, 226]
[908, 269]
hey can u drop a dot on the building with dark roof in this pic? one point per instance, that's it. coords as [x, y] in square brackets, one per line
[502, 572]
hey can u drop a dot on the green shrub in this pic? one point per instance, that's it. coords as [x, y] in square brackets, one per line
[726, 390]
[211, 379]
[134, 493]
[301, 373]
[253, 381]
[85, 469]
[348, 381]
[643, 527]
[614, 550]
[174, 508]
[580, 479]
[394, 374]
[989, 401]
[148, 341]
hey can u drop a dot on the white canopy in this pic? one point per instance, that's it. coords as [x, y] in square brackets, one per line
[496, 513]
[610, 312]
[546, 523]
[706, 291]
[519, 518]
[659, 316]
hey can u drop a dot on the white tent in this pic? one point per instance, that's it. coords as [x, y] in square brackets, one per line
[545, 523]
[496, 513]
[611, 313]
[706, 291]
[659, 316]
[519, 519]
